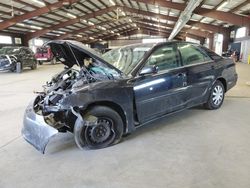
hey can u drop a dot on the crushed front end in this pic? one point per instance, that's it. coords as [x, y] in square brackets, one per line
[55, 109]
[46, 115]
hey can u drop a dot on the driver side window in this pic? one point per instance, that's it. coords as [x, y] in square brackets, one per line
[164, 58]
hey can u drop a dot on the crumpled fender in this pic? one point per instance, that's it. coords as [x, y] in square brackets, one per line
[80, 124]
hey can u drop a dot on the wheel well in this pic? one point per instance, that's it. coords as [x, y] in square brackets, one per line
[223, 81]
[113, 106]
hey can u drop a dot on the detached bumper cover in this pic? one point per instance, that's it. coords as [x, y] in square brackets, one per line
[35, 130]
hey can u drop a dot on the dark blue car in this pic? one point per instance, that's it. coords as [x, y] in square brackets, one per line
[110, 95]
[11, 55]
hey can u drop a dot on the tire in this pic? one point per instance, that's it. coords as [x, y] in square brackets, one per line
[19, 69]
[53, 61]
[216, 97]
[40, 62]
[108, 130]
[34, 66]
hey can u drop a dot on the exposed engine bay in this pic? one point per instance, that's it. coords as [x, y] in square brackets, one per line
[70, 77]
[49, 102]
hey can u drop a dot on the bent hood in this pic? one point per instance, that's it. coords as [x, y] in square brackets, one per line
[72, 53]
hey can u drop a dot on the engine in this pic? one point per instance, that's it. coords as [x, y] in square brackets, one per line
[62, 81]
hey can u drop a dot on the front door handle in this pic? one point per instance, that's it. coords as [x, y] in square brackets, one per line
[181, 75]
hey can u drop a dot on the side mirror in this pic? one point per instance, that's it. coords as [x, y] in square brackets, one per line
[148, 70]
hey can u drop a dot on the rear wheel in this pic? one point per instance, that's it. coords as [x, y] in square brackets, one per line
[216, 97]
[40, 62]
[107, 130]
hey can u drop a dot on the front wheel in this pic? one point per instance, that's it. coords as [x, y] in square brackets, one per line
[216, 97]
[107, 130]
[53, 61]
[19, 67]
[34, 66]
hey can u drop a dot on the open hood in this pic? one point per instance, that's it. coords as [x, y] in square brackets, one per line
[72, 53]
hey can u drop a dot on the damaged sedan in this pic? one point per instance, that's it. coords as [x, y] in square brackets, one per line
[100, 98]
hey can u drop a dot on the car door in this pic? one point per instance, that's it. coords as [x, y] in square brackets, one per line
[200, 72]
[162, 92]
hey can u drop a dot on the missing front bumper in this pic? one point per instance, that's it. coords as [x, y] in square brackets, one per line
[35, 130]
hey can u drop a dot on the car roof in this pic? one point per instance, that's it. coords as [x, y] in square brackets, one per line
[155, 44]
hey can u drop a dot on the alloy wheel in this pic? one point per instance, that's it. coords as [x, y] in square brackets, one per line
[218, 95]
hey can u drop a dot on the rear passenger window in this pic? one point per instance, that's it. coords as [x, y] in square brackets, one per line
[212, 54]
[164, 58]
[192, 55]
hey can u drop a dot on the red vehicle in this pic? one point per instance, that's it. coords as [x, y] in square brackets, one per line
[44, 54]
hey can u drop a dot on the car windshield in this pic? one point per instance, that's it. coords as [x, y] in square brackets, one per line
[126, 58]
[9, 50]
